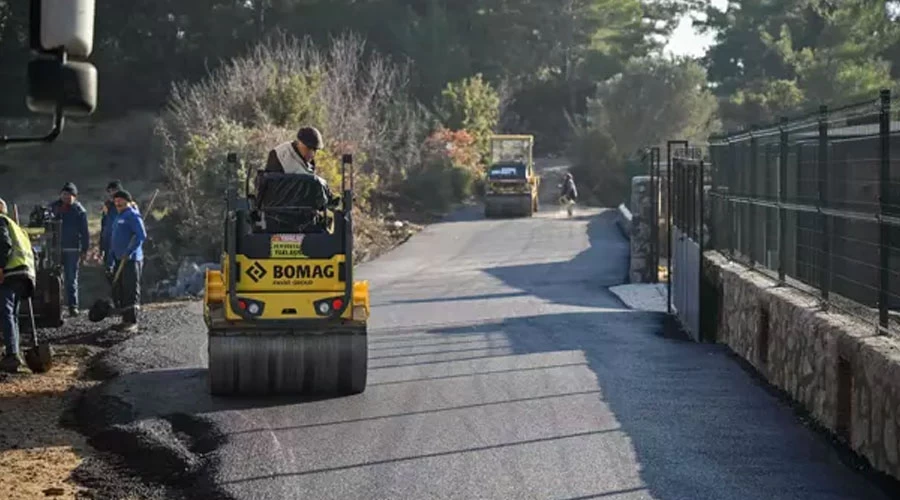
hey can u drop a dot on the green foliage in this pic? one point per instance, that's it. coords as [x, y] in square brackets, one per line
[449, 171]
[597, 166]
[472, 104]
[291, 98]
[550, 53]
[437, 183]
[651, 101]
[773, 59]
[254, 103]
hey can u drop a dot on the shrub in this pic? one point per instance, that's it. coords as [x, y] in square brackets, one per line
[597, 168]
[255, 102]
[473, 105]
[450, 166]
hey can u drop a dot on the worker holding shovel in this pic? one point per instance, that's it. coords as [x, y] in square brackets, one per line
[17, 281]
[126, 244]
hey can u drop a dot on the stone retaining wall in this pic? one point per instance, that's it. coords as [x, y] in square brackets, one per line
[844, 374]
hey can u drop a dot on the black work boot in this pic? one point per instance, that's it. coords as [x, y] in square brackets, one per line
[74, 312]
[11, 363]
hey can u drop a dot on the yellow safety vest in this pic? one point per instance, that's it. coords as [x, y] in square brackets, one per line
[21, 260]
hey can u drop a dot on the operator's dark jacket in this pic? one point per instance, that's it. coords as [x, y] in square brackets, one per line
[21, 284]
[106, 224]
[75, 235]
[569, 189]
[288, 153]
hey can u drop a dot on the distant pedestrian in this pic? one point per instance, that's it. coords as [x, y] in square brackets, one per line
[17, 281]
[106, 222]
[569, 193]
[126, 244]
[74, 237]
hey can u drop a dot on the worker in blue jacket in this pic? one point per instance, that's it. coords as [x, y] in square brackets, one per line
[109, 214]
[74, 237]
[126, 244]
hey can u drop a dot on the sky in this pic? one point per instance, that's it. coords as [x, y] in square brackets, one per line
[685, 41]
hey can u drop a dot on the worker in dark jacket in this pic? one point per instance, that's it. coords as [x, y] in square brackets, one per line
[17, 281]
[109, 214]
[126, 244]
[296, 156]
[569, 193]
[75, 239]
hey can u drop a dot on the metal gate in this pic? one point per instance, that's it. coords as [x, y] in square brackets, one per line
[686, 188]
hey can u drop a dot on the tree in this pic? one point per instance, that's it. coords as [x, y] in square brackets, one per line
[774, 58]
[652, 100]
[473, 105]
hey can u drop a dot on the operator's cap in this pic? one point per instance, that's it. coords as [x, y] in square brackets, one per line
[116, 184]
[125, 195]
[311, 137]
[69, 188]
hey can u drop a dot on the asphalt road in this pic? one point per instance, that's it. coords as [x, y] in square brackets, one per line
[502, 367]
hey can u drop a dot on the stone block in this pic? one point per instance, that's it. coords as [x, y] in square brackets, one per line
[804, 345]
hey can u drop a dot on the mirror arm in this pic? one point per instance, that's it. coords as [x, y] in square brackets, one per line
[59, 121]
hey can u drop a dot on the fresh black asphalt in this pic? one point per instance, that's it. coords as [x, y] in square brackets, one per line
[500, 367]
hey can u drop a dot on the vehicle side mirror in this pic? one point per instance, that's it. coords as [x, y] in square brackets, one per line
[71, 85]
[61, 33]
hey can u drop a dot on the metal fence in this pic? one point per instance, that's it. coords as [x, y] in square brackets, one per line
[687, 235]
[815, 202]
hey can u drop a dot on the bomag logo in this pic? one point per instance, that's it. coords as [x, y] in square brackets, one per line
[256, 272]
[302, 271]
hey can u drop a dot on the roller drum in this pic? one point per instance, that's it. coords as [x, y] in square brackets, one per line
[509, 206]
[255, 364]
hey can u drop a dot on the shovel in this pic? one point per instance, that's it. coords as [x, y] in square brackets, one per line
[103, 307]
[39, 357]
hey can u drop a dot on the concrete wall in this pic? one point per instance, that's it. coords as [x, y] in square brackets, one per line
[844, 374]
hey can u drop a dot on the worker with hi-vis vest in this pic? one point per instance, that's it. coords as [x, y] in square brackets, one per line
[17, 281]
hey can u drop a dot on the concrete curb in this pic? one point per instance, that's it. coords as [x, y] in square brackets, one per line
[642, 296]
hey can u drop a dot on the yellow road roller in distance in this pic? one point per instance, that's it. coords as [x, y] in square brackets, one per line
[511, 186]
[284, 315]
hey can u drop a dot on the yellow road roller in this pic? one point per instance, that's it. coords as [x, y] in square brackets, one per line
[284, 315]
[511, 185]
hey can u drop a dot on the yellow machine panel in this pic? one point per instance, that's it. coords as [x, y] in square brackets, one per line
[274, 305]
[296, 275]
